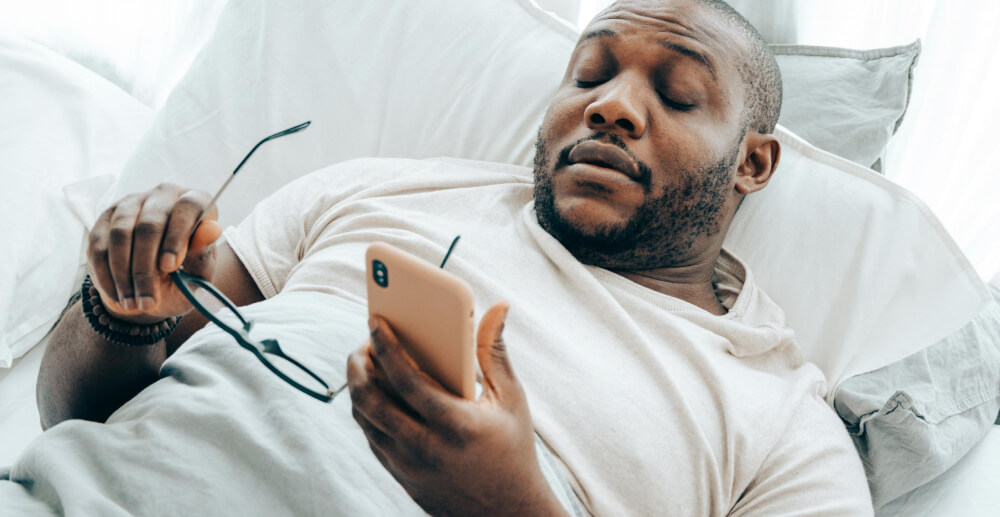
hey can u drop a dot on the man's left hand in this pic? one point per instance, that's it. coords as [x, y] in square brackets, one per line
[452, 455]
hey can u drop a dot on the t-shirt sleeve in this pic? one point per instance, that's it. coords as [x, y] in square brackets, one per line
[814, 470]
[272, 240]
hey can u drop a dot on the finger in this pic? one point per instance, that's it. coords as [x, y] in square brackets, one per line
[380, 442]
[370, 401]
[120, 234]
[185, 212]
[146, 239]
[97, 258]
[499, 380]
[419, 391]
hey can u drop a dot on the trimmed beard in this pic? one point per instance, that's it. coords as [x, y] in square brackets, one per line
[662, 230]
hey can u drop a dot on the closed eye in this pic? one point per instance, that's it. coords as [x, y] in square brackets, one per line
[587, 84]
[679, 106]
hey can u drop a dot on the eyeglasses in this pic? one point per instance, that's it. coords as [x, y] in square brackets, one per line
[208, 300]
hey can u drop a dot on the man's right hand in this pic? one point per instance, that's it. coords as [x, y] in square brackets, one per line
[142, 238]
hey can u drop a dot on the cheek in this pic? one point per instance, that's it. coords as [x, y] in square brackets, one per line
[675, 154]
[565, 114]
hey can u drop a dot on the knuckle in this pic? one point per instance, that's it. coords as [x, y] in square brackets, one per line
[197, 199]
[377, 437]
[461, 434]
[142, 278]
[388, 421]
[126, 204]
[423, 459]
[405, 385]
[119, 235]
[435, 411]
[355, 369]
[96, 242]
[147, 228]
[196, 196]
[98, 257]
[166, 187]
[361, 395]
[191, 204]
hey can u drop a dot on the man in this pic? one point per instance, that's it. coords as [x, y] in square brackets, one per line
[660, 379]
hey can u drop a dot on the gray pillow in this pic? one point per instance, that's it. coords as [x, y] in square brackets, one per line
[917, 417]
[848, 102]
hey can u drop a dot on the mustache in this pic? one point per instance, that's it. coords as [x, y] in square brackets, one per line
[645, 172]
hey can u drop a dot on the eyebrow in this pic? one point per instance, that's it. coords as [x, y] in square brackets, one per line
[669, 45]
[599, 33]
[691, 53]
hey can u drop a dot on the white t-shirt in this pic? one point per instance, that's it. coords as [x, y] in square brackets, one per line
[652, 405]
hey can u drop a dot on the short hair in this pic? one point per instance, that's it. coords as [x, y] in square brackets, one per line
[759, 71]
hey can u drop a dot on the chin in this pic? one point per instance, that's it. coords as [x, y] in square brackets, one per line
[592, 217]
[589, 230]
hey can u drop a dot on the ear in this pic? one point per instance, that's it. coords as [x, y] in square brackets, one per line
[763, 153]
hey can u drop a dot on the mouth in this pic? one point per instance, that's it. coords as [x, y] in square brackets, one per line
[606, 156]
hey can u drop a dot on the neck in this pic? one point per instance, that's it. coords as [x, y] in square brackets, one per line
[689, 282]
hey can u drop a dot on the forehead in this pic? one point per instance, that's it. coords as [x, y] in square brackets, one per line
[686, 24]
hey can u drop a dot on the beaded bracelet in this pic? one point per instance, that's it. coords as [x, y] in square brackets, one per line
[118, 331]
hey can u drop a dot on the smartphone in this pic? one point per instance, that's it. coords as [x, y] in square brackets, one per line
[431, 312]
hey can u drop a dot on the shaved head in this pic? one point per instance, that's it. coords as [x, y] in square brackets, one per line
[758, 69]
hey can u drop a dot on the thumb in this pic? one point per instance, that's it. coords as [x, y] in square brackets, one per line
[498, 376]
[207, 233]
[200, 259]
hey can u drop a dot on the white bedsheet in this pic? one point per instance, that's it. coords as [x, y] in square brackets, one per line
[968, 489]
[18, 414]
[224, 434]
[971, 488]
[219, 434]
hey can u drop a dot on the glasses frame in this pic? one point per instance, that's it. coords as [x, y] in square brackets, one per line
[242, 335]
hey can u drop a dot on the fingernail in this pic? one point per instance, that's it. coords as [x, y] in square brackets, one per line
[146, 303]
[128, 303]
[168, 262]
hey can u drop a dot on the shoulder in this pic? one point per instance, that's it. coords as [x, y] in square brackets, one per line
[812, 468]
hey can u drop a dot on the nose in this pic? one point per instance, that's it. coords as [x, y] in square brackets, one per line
[616, 110]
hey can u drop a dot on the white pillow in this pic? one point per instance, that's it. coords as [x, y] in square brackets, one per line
[865, 273]
[400, 79]
[59, 123]
[142, 47]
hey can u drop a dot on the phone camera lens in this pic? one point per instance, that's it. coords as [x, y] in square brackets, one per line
[380, 273]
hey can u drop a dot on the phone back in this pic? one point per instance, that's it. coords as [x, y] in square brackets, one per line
[431, 312]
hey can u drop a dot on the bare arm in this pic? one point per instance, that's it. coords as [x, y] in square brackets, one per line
[84, 376]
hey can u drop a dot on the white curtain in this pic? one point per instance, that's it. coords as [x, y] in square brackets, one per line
[947, 150]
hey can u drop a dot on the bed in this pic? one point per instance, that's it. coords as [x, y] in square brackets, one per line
[111, 143]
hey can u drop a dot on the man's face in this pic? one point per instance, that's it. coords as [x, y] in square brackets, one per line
[635, 158]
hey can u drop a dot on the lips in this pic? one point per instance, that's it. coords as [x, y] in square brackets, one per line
[605, 155]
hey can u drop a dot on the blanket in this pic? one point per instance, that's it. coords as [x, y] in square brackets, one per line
[219, 434]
